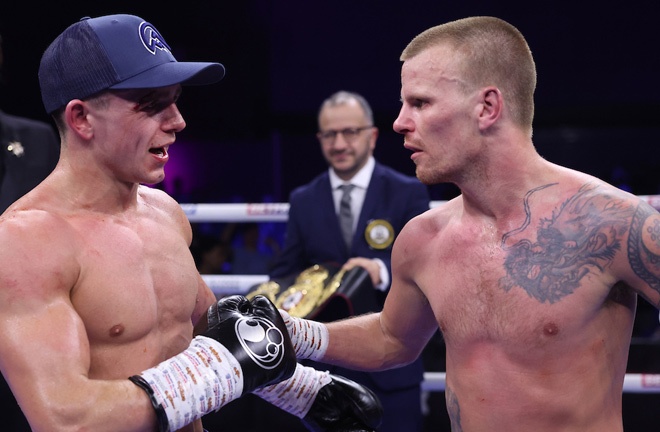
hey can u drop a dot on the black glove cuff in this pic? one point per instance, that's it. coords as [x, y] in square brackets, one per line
[161, 417]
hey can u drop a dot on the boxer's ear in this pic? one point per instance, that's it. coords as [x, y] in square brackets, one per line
[76, 117]
[491, 107]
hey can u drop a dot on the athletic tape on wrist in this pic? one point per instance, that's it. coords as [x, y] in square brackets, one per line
[161, 417]
[297, 394]
[201, 379]
[309, 338]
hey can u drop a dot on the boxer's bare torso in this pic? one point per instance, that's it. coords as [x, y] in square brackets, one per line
[535, 318]
[109, 294]
[532, 273]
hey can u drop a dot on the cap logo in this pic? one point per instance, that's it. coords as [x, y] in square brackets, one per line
[151, 39]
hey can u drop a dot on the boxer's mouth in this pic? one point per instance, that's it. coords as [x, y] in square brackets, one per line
[160, 151]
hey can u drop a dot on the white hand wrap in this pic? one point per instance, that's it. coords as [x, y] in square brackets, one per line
[297, 394]
[201, 379]
[310, 338]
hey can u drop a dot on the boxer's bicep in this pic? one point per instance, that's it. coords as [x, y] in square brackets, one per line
[407, 316]
[641, 269]
[407, 319]
[45, 354]
[43, 342]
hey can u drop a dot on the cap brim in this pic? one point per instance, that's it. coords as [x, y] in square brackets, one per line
[166, 74]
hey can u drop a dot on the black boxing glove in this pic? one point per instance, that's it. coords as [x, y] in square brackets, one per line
[255, 333]
[325, 402]
[344, 406]
[246, 346]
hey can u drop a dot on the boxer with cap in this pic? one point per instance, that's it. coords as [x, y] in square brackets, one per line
[99, 294]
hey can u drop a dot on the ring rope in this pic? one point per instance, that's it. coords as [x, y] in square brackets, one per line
[279, 212]
[632, 382]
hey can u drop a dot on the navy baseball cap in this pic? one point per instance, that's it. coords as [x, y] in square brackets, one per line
[113, 52]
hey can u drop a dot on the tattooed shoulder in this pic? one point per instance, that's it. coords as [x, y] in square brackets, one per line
[549, 258]
[644, 245]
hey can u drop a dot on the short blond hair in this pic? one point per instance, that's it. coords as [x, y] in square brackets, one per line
[494, 53]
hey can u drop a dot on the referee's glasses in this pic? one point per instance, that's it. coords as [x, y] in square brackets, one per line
[349, 134]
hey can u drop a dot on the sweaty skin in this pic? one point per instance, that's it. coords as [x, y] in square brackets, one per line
[537, 327]
[104, 302]
[97, 282]
[532, 274]
[534, 332]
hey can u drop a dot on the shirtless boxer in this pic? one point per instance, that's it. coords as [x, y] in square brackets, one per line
[532, 274]
[98, 289]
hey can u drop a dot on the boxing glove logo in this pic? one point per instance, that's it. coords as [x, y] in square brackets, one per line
[261, 340]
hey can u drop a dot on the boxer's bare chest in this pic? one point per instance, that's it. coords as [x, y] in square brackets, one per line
[137, 278]
[526, 283]
[468, 293]
[474, 303]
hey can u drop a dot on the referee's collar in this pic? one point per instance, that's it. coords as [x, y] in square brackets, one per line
[361, 179]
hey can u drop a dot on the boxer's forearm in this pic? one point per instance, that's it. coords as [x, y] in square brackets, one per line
[359, 343]
[337, 343]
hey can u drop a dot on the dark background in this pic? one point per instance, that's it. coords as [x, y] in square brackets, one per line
[251, 137]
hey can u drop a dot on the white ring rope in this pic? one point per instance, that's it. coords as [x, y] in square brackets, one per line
[223, 285]
[632, 382]
[241, 212]
[278, 212]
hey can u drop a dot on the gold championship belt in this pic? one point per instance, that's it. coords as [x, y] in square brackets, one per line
[305, 294]
[321, 292]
